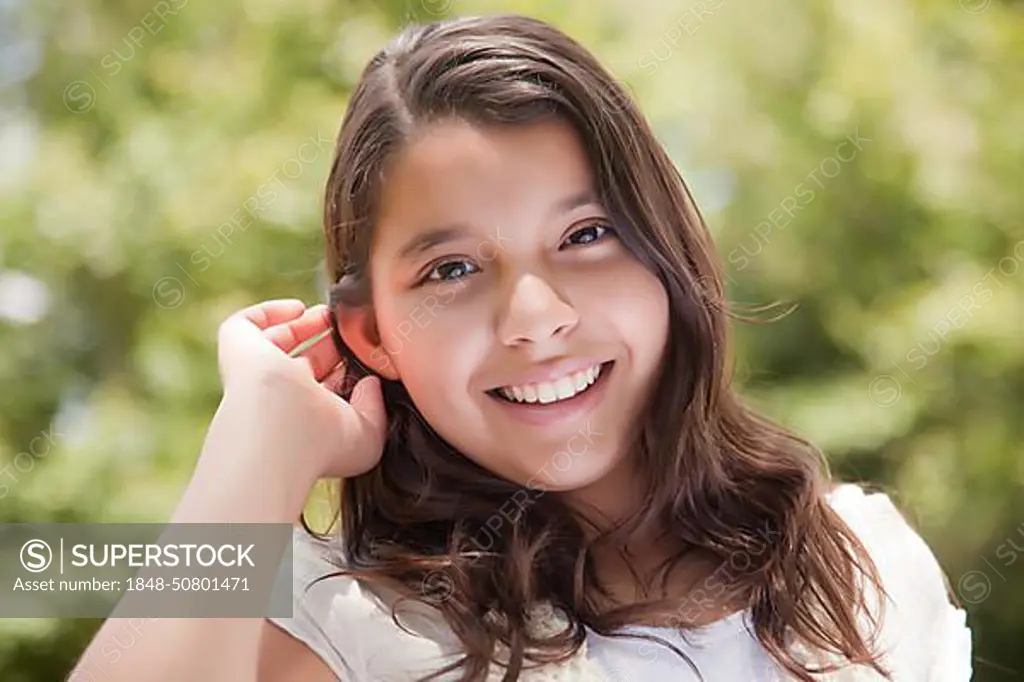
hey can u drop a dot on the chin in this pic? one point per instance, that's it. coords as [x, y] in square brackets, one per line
[579, 476]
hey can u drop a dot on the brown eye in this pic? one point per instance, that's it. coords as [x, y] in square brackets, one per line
[452, 270]
[588, 235]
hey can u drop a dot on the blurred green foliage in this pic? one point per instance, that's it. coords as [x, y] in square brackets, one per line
[863, 160]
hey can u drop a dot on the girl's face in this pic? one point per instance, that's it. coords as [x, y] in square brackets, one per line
[527, 335]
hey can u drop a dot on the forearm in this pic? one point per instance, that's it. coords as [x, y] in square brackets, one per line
[234, 482]
[239, 478]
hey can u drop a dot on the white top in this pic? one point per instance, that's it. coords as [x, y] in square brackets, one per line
[924, 637]
[723, 651]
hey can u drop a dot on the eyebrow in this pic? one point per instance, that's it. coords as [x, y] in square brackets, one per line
[450, 233]
[571, 203]
[428, 240]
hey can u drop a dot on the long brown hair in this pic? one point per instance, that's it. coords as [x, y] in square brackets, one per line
[723, 481]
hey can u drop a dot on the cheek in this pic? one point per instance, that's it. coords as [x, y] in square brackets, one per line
[642, 308]
[634, 302]
[433, 344]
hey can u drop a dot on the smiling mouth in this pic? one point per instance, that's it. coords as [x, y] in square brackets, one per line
[563, 390]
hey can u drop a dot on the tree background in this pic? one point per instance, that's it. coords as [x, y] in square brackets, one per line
[131, 132]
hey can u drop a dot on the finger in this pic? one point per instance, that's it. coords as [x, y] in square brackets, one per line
[370, 415]
[323, 357]
[292, 333]
[270, 313]
[336, 380]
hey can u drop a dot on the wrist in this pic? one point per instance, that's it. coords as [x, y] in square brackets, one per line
[225, 489]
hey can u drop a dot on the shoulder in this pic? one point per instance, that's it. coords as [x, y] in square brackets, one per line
[314, 596]
[283, 657]
[923, 635]
[351, 627]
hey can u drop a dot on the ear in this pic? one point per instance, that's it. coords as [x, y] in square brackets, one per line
[358, 327]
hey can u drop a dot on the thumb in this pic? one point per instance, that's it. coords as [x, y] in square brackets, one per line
[367, 399]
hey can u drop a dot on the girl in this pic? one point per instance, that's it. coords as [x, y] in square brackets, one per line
[525, 389]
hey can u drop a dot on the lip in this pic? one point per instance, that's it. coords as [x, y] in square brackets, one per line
[539, 414]
[553, 371]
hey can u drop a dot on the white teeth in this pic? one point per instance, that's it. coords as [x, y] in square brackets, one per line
[551, 391]
[546, 393]
[565, 388]
[581, 380]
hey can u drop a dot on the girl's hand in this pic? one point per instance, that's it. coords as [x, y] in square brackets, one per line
[287, 403]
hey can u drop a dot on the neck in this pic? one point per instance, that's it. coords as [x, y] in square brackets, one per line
[606, 503]
[631, 569]
[609, 500]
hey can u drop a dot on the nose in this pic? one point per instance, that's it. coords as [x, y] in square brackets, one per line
[535, 314]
